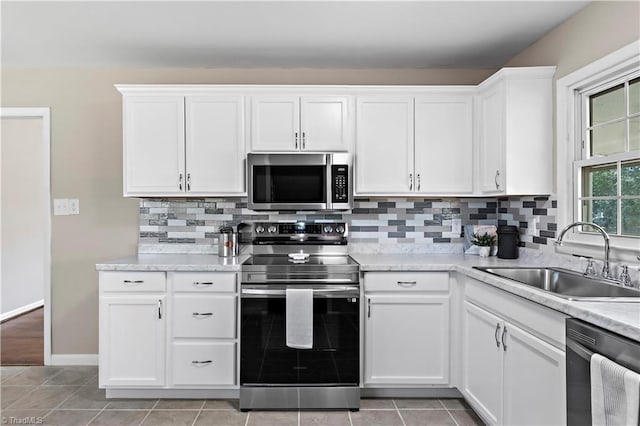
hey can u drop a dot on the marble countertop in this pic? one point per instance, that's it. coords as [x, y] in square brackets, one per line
[174, 262]
[620, 317]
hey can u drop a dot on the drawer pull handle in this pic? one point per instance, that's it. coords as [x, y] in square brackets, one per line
[133, 282]
[202, 283]
[202, 314]
[202, 362]
[407, 283]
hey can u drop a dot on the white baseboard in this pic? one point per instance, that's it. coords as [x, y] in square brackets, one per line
[74, 359]
[22, 310]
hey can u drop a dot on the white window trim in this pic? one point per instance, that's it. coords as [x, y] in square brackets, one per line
[568, 128]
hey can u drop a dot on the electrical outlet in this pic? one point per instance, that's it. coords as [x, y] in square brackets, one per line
[60, 206]
[74, 206]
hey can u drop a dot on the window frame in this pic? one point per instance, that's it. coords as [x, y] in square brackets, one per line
[570, 118]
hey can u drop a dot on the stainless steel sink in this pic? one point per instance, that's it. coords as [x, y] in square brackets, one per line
[567, 284]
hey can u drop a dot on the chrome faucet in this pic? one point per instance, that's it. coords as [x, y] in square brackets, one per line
[606, 273]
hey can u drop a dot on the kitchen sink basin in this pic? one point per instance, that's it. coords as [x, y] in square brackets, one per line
[567, 284]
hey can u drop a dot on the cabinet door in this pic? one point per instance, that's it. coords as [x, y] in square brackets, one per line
[153, 145]
[324, 123]
[132, 340]
[275, 123]
[406, 340]
[482, 362]
[215, 145]
[444, 144]
[384, 145]
[491, 104]
[534, 380]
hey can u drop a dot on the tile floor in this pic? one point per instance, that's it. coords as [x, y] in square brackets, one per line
[70, 396]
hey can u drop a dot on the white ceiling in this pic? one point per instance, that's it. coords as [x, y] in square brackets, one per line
[340, 34]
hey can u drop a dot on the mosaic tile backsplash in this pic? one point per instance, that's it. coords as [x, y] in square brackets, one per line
[430, 224]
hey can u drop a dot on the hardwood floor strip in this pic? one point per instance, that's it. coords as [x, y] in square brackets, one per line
[22, 339]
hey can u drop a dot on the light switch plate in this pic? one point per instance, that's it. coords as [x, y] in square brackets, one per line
[60, 206]
[74, 206]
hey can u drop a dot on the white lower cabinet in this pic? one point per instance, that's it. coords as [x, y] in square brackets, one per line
[512, 376]
[406, 329]
[139, 350]
[203, 332]
[132, 331]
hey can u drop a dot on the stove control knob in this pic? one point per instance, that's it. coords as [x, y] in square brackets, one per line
[272, 229]
[340, 229]
[260, 229]
[328, 229]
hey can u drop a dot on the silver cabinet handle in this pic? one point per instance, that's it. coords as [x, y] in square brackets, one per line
[504, 335]
[188, 181]
[304, 141]
[136, 282]
[368, 308]
[202, 314]
[159, 309]
[180, 182]
[495, 335]
[496, 180]
[202, 362]
[296, 134]
[202, 283]
[407, 283]
[418, 181]
[410, 181]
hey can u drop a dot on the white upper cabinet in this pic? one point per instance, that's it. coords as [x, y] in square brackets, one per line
[153, 145]
[299, 123]
[177, 145]
[514, 118]
[324, 123]
[215, 149]
[384, 144]
[444, 144]
[275, 123]
[421, 145]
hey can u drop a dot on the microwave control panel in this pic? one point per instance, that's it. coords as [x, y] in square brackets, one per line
[340, 190]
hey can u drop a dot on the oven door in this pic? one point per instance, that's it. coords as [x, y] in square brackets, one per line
[288, 181]
[266, 360]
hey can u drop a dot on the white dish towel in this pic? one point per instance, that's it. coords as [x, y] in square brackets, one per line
[615, 393]
[299, 317]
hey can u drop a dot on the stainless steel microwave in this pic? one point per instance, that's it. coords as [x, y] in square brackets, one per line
[304, 181]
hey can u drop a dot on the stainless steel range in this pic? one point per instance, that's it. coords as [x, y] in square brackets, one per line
[298, 260]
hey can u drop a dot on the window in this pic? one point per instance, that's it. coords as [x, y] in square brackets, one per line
[607, 169]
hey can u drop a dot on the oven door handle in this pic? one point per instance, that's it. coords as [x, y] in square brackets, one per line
[349, 291]
[580, 350]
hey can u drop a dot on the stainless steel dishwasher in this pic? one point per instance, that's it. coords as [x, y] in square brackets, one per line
[583, 340]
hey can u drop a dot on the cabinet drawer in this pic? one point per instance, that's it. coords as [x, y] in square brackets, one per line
[132, 281]
[203, 281]
[204, 363]
[406, 281]
[205, 316]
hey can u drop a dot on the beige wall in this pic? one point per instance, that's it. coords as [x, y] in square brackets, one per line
[86, 163]
[594, 32]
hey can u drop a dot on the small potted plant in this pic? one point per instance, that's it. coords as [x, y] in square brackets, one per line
[484, 242]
